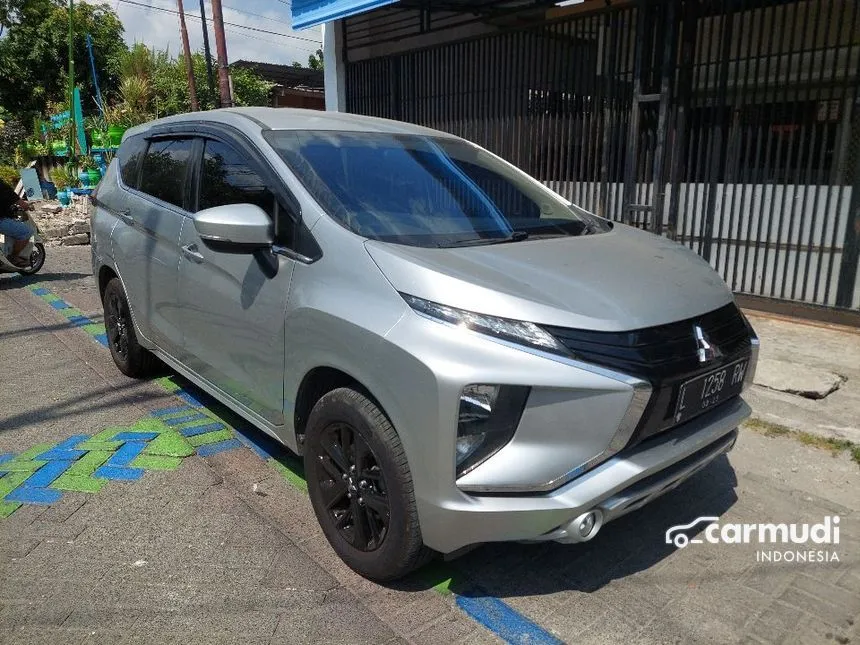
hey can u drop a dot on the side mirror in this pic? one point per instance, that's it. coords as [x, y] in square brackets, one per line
[235, 227]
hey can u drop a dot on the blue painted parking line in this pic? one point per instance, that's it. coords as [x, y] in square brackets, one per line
[47, 473]
[126, 453]
[214, 448]
[168, 411]
[27, 495]
[123, 474]
[190, 399]
[259, 442]
[505, 622]
[196, 416]
[195, 430]
[64, 451]
[34, 489]
[135, 436]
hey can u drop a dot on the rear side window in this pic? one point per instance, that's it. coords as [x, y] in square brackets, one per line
[226, 178]
[130, 155]
[165, 167]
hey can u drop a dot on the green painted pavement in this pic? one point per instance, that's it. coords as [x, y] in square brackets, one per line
[210, 437]
[156, 462]
[86, 465]
[7, 508]
[169, 444]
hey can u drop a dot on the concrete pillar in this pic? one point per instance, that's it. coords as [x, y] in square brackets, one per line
[335, 70]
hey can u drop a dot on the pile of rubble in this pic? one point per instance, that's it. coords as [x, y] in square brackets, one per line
[63, 225]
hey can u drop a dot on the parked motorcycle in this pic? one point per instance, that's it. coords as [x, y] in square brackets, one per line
[35, 249]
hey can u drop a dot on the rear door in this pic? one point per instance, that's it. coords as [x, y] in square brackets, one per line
[146, 242]
[232, 307]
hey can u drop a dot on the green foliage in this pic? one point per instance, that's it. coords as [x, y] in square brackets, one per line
[249, 88]
[86, 162]
[34, 53]
[315, 61]
[58, 176]
[155, 84]
[10, 175]
[12, 135]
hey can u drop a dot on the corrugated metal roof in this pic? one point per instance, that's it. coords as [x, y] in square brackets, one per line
[307, 13]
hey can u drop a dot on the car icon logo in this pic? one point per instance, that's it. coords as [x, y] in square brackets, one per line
[676, 536]
[704, 349]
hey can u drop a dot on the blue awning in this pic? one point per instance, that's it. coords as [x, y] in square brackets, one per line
[307, 13]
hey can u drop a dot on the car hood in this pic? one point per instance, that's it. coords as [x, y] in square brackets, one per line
[621, 280]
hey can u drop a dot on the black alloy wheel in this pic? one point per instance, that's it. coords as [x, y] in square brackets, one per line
[353, 487]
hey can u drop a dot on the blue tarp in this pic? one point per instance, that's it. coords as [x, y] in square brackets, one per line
[307, 13]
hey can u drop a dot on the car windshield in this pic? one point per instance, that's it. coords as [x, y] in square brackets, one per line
[426, 191]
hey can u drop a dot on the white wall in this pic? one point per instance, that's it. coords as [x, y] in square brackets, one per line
[810, 216]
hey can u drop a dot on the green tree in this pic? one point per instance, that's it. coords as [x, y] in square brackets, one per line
[249, 88]
[34, 53]
[12, 133]
[168, 83]
[316, 61]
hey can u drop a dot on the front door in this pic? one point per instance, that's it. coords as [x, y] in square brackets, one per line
[232, 312]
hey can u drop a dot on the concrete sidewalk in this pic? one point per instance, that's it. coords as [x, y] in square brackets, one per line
[808, 377]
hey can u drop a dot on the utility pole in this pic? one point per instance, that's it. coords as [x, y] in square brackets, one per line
[189, 65]
[71, 79]
[209, 76]
[221, 46]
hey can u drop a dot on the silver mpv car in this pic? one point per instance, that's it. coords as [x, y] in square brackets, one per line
[460, 354]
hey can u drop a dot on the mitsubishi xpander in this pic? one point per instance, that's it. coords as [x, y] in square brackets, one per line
[459, 354]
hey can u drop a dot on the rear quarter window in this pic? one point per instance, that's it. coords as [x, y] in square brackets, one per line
[129, 157]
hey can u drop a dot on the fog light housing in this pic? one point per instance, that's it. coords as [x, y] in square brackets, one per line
[488, 418]
[587, 524]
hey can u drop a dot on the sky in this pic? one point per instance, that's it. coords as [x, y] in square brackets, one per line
[160, 29]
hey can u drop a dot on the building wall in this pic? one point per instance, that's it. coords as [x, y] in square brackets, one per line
[754, 156]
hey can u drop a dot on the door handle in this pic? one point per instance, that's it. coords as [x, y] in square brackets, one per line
[126, 217]
[190, 251]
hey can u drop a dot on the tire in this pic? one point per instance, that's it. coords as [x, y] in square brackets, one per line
[37, 260]
[384, 543]
[131, 359]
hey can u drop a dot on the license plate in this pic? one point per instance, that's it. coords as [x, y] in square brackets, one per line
[709, 390]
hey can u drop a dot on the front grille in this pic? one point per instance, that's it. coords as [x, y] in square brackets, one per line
[665, 356]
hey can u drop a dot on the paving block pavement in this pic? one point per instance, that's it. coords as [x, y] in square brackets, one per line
[224, 546]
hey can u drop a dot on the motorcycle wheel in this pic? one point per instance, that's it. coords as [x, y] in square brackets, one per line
[37, 260]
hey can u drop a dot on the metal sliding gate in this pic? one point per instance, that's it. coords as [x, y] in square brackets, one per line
[732, 126]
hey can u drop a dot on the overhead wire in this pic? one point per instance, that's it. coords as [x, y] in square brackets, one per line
[153, 7]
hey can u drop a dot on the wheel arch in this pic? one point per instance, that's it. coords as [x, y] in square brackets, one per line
[106, 274]
[315, 384]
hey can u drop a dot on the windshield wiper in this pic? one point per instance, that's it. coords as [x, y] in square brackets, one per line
[516, 236]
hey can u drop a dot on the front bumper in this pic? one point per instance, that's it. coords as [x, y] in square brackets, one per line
[620, 485]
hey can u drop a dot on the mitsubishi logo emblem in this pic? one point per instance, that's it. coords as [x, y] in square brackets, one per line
[705, 351]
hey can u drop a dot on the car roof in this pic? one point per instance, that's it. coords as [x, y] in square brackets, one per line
[292, 119]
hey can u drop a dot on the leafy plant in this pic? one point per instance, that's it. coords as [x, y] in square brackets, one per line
[86, 162]
[12, 135]
[10, 175]
[58, 176]
[135, 91]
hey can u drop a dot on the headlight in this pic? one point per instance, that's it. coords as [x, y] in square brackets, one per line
[754, 347]
[489, 415]
[515, 331]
